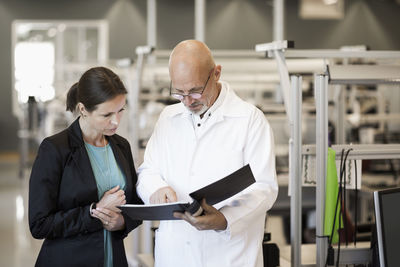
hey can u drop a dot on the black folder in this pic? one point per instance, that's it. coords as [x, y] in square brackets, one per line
[213, 193]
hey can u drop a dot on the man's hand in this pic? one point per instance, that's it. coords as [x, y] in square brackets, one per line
[212, 219]
[163, 195]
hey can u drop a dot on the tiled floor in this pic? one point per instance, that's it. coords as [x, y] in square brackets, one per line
[19, 249]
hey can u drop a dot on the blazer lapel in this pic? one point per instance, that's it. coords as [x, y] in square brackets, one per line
[79, 155]
[122, 163]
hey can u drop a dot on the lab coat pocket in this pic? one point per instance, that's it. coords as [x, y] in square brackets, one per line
[226, 159]
[222, 252]
[164, 246]
[169, 249]
[178, 246]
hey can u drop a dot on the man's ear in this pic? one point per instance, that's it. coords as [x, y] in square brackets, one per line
[217, 72]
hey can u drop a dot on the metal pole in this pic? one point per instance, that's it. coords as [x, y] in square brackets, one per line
[341, 114]
[381, 108]
[23, 135]
[321, 86]
[295, 143]
[146, 245]
[284, 80]
[102, 53]
[278, 17]
[134, 236]
[82, 55]
[133, 98]
[199, 20]
[133, 102]
[151, 28]
[278, 24]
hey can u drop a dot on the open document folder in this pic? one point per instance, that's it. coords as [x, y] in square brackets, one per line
[213, 193]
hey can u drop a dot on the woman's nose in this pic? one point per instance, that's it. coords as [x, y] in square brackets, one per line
[115, 119]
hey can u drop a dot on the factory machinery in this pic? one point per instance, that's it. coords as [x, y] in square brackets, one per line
[359, 114]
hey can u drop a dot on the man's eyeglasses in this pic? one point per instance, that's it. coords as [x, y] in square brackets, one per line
[194, 95]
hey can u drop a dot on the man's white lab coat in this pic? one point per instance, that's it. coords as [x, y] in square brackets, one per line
[235, 134]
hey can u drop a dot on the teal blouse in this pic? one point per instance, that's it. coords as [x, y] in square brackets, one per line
[108, 175]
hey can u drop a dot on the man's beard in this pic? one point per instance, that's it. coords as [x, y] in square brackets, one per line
[199, 112]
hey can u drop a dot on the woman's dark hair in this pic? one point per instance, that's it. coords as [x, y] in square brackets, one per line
[97, 85]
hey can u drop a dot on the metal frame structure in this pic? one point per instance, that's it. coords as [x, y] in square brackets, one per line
[295, 167]
[200, 20]
[321, 83]
[358, 152]
[142, 52]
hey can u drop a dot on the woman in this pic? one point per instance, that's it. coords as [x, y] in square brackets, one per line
[79, 177]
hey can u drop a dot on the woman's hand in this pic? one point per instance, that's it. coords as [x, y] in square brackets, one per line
[112, 221]
[112, 198]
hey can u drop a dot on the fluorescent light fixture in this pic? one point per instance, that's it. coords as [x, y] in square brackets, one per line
[330, 2]
[321, 9]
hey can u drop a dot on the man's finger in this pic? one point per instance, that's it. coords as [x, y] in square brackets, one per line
[152, 199]
[171, 196]
[185, 216]
[191, 219]
[178, 215]
[206, 207]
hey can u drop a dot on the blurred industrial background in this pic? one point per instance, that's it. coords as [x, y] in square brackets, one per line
[46, 45]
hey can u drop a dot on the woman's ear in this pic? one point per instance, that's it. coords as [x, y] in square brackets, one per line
[82, 110]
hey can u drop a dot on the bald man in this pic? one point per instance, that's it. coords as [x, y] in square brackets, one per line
[208, 135]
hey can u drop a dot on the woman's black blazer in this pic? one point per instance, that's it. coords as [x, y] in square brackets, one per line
[61, 188]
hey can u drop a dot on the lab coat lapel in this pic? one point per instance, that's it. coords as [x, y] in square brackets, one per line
[212, 121]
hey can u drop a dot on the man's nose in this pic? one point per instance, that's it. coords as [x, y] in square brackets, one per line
[187, 100]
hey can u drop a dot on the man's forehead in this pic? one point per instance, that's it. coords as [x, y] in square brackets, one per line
[191, 85]
[187, 75]
[186, 66]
